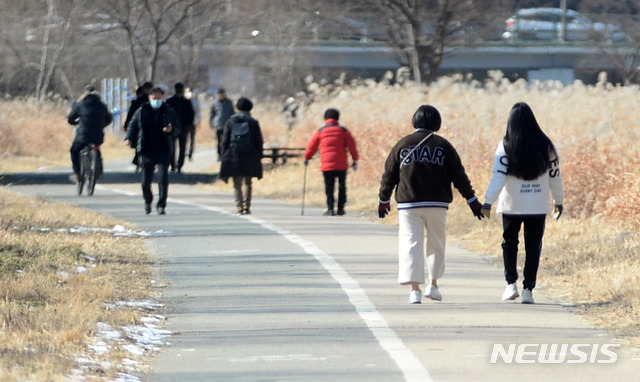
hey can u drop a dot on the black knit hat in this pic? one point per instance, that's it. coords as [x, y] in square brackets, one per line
[244, 104]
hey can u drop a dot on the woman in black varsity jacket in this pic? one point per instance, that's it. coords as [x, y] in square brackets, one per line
[421, 168]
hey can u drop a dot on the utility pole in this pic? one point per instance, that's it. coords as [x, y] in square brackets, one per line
[563, 27]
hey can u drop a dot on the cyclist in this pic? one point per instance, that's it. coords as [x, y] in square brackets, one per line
[91, 116]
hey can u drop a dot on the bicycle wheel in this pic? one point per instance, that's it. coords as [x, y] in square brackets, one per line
[94, 164]
[84, 165]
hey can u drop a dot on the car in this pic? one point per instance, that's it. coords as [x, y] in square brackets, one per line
[546, 24]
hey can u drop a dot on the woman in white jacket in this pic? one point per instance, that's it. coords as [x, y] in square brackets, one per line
[525, 170]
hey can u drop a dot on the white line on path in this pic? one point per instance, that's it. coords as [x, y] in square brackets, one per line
[409, 364]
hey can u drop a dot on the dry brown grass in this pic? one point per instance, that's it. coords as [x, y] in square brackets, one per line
[48, 310]
[34, 136]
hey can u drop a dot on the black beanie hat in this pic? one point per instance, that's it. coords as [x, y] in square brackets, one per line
[244, 104]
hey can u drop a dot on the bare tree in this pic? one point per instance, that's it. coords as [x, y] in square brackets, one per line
[200, 22]
[32, 41]
[421, 29]
[148, 27]
[48, 64]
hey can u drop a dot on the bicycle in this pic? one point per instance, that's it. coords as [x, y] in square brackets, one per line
[90, 168]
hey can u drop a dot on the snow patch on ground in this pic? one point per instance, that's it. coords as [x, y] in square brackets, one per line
[136, 340]
[117, 230]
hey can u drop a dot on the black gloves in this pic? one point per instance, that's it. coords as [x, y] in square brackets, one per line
[383, 209]
[476, 208]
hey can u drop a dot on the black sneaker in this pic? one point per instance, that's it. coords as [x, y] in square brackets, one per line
[329, 212]
[341, 213]
[147, 209]
[246, 211]
[161, 211]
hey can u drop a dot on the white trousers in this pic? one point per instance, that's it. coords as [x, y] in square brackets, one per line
[411, 254]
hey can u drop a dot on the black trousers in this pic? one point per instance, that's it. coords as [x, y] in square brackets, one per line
[181, 147]
[329, 186]
[148, 162]
[75, 149]
[533, 232]
[219, 136]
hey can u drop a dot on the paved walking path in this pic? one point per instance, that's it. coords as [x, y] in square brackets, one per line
[276, 296]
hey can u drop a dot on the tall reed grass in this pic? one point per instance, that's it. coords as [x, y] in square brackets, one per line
[595, 129]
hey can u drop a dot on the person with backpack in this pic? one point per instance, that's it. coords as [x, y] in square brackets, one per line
[526, 169]
[241, 150]
[334, 141]
[421, 168]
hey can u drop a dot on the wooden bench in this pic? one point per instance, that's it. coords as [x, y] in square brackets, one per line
[282, 154]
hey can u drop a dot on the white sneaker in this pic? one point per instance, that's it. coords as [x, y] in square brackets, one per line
[527, 296]
[415, 297]
[433, 293]
[511, 293]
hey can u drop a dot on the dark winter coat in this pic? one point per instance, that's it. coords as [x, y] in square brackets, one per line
[424, 179]
[148, 123]
[91, 116]
[135, 105]
[184, 109]
[234, 164]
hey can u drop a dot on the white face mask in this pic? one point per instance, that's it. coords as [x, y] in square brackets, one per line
[155, 103]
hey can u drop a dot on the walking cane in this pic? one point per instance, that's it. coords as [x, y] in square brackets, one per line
[304, 189]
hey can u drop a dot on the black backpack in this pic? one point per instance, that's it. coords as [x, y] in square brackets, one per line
[240, 137]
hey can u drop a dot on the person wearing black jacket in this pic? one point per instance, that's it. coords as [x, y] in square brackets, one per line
[186, 115]
[151, 132]
[92, 116]
[142, 97]
[242, 157]
[421, 168]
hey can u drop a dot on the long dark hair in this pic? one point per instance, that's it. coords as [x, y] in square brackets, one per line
[527, 146]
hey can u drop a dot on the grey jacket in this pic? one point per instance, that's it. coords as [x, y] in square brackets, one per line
[220, 113]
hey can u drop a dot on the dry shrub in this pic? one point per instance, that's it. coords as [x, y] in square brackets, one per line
[28, 128]
[34, 135]
[594, 128]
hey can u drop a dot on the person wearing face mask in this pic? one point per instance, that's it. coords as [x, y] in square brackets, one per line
[152, 132]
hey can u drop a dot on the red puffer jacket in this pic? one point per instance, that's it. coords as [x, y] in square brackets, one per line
[334, 140]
